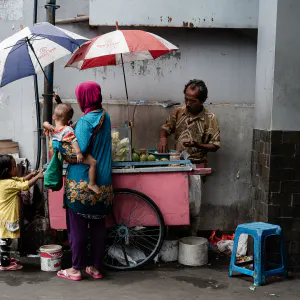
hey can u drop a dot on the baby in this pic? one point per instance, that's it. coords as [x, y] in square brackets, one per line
[68, 145]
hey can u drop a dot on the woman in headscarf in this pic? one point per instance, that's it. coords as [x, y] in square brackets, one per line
[84, 207]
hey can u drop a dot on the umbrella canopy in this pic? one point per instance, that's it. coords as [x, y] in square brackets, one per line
[33, 48]
[118, 47]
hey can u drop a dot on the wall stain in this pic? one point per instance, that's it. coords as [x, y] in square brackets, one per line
[169, 19]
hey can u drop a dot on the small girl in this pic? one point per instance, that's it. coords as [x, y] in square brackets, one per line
[63, 134]
[10, 187]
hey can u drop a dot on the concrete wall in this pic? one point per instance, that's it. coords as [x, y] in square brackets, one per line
[224, 58]
[265, 63]
[286, 104]
[17, 121]
[176, 13]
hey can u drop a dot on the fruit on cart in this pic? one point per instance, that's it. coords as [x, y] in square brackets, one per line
[144, 157]
[164, 159]
[151, 157]
[135, 157]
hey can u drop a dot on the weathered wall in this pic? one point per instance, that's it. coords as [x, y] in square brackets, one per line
[176, 13]
[17, 99]
[224, 58]
[286, 104]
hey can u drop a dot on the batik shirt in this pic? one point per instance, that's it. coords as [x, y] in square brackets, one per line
[203, 129]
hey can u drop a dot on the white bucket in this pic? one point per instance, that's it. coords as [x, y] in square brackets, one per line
[169, 251]
[51, 257]
[193, 251]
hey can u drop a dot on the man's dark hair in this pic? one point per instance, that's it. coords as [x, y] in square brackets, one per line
[5, 166]
[198, 84]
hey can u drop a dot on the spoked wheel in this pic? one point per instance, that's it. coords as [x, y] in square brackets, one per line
[135, 230]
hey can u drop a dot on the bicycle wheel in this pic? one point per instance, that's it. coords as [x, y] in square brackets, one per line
[135, 230]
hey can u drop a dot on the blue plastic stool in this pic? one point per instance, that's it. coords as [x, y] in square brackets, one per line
[259, 231]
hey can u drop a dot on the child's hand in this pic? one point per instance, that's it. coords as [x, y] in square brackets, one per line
[34, 173]
[73, 125]
[49, 127]
[80, 158]
[40, 174]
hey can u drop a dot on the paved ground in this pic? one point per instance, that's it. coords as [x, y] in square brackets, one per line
[160, 283]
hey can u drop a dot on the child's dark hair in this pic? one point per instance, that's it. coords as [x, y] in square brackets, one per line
[5, 166]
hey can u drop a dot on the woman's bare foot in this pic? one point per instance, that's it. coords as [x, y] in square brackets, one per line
[70, 274]
[95, 188]
[95, 273]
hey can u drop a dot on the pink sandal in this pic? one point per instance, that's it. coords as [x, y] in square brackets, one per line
[12, 267]
[66, 275]
[88, 270]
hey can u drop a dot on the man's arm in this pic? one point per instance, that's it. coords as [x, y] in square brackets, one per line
[206, 147]
[163, 142]
[167, 129]
[214, 143]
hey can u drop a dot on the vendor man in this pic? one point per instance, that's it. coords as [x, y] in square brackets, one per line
[197, 131]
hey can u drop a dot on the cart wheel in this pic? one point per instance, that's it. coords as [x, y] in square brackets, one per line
[135, 230]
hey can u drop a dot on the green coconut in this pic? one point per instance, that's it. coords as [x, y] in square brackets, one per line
[135, 157]
[151, 157]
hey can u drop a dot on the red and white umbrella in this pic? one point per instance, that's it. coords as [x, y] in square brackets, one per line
[119, 47]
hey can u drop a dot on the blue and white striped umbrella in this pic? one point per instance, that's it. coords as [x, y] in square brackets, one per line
[33, 48]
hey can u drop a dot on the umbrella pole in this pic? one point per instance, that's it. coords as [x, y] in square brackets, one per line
[30, 46]
[124, 77]
[125, 86]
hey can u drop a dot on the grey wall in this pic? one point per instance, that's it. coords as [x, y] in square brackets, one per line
[265, 63]
[17, 121]
[286, 104]
[176, 13]
[224, 58]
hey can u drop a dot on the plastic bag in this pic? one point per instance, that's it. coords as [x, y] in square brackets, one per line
[53, 178]
[133, 255]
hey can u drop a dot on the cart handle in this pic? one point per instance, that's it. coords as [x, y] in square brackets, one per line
[201, 171]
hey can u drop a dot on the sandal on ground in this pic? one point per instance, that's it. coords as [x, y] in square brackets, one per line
[12, 267]
[88, 270]
[66, 275]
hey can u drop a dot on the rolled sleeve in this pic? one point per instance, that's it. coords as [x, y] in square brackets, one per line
[170, 125]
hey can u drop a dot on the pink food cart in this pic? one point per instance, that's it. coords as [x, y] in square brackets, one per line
[148, 197]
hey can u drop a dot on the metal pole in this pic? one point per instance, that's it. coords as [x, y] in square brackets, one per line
[48, 83]
[37, 102]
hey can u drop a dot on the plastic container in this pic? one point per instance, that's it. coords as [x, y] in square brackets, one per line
[193, 251]
[51, 256]
[174, 156]
[169, 251]
[160, 155]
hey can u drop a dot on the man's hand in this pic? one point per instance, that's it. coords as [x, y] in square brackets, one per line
[189, 144]
[80, 158]
[163, 145]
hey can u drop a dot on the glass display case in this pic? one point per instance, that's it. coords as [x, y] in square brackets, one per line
[121, 143]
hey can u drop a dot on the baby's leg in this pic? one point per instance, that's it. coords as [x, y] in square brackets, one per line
[90, 161]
